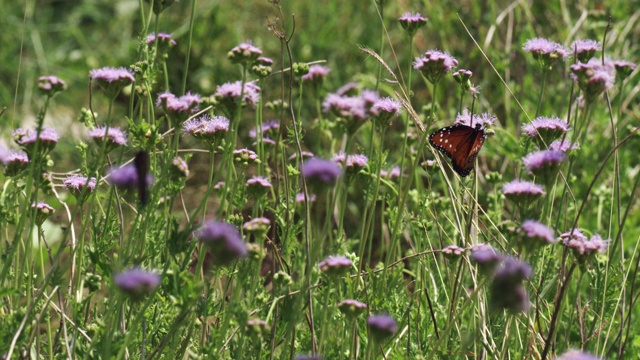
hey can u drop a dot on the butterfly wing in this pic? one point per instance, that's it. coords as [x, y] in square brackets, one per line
[141, 162]
[461, 144]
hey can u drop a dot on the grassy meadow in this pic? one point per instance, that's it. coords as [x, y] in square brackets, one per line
[327, 179]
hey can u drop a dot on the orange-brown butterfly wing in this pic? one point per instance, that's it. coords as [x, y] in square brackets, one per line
[461, 144]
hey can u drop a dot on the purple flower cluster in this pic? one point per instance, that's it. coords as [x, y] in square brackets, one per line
[357, 162]
[164, 40]
[593, 77]
[258, 186]
[577, 355]
[466, 118]
[452, 251]
[538, 232]
[245, 156]
[547, 128]
[624, 68]
[582, 246]
[394, 173]
[545, 52]
[335, 265]
[112, 80]
[385, 109]
[316, 73]
[411, 22]
[112, 136]
[78, 184]
[43, 211]
[228, 94]
[224, 241]
[320, 173]
[184, 104]
[544, 162]
[26, 138]
[267, 127]
[463, 78]
[585, 49]
[565, 146]
[434, 64]
[50, 85]
[245, 53]
[506, 290]
[382, 326]
[137, 282]
[257, 227]
[351, 308]
[14, 161]
[352, 111]
[522, 191]
[180, 167]
[206, 128]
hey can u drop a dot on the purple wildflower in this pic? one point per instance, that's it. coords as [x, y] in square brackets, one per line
[544, 162]
[112, 136]
[545, 52]
[245, 156]
[300, 198]
[316, 73]
[452, 251]
[507, 291]
[137, 282]
[593, 77]
[257, 226]
[112, 80]
[335, 265]
[585, 49]
[466, 118]
[224, 241]
[463, 78]
[244, 54]
[394, 173]
[15, 162]
[184, 104]
[258, 186]
[345, 106]
[339, 158]
[262, 67]
[582, 246]
[384, 109]
[434, 64]
[357, 161]
[320, 173]
[351, 308]
[164, 39]
[382, 326]
[267, 126]
[126, 177]
[50, 85]
[26, 138]
[624, 68]
[577, 355]
[180, 167]
[78, 185]
[538, 232]
[304, 154]
[547, 128]
[348, 89]
[563, 145]
[206, 128]
[411, 22]
[43, 211]
[229, 93]
[486, 257]
[522, 191]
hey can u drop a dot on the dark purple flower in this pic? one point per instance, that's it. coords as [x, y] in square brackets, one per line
[382, 326]
[411, 22]
[245, 53]
[506, 287]
[112, 136]
[224, 241]
[577, 355]
[547, 128]
[137, 282]
[335, 265]
[624, 68]
[593, 77]
[544, 162]
[206, 128]
[126, 177]
[484, 120]
[512, 271]
[50, 85]
[486, 257]
[545, 52]
[434, 64]
[351, 308]
[43, 211]
[316, 73]
[320, 173]
[538, 232]
[563, 145]
[585, 49]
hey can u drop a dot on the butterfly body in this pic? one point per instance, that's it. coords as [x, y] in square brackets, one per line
[461, 144]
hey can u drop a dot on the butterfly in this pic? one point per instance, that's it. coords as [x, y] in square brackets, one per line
[461, 144]
[141, 163]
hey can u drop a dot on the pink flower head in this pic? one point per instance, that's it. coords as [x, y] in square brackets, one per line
[585, 49]
[434, 64]
[484, 120]
[545, 51]
[316, 73]
[245, 53]
[411, 22]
